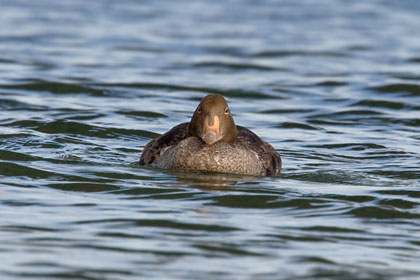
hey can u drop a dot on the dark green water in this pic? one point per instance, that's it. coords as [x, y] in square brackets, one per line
[332, 85]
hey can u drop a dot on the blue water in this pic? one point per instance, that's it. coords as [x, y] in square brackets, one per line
[333, 85]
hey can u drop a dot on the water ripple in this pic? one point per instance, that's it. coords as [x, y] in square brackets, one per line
[334, 90]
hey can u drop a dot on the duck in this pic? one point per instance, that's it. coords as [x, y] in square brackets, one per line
[211, 141]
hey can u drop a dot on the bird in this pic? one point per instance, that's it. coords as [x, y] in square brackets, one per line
[212, 142]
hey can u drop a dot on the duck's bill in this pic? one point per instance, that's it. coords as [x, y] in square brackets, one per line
[211, 137]
[211, 132]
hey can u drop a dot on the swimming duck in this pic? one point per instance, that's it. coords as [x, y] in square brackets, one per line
[212, 142]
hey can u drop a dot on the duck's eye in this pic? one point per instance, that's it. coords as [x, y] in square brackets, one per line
[227, 110]
[199, 110]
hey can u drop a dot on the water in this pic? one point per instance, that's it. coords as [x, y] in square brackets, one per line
[332, 85]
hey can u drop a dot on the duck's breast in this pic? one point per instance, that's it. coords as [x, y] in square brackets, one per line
[192, 154]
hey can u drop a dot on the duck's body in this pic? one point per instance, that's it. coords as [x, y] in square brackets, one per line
[217, 145]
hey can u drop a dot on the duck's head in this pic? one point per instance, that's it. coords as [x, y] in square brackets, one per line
[212, 121]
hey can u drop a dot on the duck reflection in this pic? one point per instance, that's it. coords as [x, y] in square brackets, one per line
[209, 180]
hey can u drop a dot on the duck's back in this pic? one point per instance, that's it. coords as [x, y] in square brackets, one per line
[248, 155]
[151, 152]
[268, 156]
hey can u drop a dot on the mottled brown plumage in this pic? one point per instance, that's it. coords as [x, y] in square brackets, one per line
[212, 142]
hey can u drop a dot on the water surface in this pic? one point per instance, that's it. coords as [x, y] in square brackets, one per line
[332, 85]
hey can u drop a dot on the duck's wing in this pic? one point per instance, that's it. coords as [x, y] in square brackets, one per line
[170, 138]
[268, 155]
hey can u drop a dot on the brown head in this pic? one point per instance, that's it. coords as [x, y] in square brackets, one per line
[212, 121]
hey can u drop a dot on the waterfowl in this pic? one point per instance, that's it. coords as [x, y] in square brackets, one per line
[212, 142]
